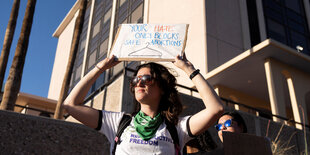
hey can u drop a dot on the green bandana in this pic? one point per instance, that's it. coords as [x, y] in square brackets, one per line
[146, 126]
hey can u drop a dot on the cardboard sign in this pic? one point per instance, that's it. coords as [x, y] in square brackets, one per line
[149, 42]
[245, 144]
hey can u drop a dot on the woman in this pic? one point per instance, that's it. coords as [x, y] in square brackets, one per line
[230, 122]
[154, 91]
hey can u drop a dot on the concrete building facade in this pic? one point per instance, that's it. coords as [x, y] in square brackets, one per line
[255, 53]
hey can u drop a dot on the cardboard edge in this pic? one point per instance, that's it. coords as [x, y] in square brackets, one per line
[185, 39]
[148, 59]
[116, 36]
[143, 59]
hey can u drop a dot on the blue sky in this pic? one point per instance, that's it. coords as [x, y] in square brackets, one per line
[42, 46]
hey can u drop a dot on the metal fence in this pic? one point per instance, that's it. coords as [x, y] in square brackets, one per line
[227, 102]
[252, 110]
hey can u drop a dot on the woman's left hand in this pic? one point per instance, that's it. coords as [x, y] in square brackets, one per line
[183, 63]
[202, 120]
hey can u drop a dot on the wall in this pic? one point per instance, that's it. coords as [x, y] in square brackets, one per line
[243, 98]
[25, 134]
[61, 60]
[227, 31]
[300, 81]
[113, 95]
[175, 12]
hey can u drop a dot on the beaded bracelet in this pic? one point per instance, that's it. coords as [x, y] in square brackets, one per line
[194, 74]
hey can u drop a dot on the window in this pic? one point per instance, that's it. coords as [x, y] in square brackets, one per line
[294, 5]
[92, 59]
[77, 68]
[298, 39]
[103, 48]
[98, 42]
[82, 45]
[276, 31]
[71, 81]
[286, 22]
[307, 102]
[106, 24]
[96, 29]
[78, 73]
[99, 82]
[128, 11]
[121, 2]
[253, 22]
[137, 14]
[107, 15]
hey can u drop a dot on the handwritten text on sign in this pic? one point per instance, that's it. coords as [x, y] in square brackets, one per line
[150, 41]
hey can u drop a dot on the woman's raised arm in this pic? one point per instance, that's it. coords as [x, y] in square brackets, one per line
[202, 120]
[74, 101]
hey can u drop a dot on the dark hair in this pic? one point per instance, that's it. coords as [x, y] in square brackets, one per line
[170, 104]
[238, 118]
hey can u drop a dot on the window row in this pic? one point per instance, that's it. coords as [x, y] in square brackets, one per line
[127, 11]
[286, 22]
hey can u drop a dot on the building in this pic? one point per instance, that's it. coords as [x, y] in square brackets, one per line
[255, 53]
[34, 105]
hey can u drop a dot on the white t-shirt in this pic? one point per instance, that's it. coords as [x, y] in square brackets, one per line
[131, 143]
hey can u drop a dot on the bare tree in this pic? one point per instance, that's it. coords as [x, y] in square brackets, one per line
[9, 34]
[73, 51]
[12, 85]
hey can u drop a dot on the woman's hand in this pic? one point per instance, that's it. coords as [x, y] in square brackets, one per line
[74, 102]
[202, 120]
[184, 64]
[107, 63]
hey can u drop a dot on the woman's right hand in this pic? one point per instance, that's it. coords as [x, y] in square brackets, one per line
[107, 63]
[74, 102]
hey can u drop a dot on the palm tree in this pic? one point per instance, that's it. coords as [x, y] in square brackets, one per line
[12, 85]
[9, 33]
[73, 51]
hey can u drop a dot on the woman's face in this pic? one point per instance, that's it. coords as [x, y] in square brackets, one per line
[147, 93]
[233, 128]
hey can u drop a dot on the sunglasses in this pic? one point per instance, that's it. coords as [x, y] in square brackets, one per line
[144, 80]
[227, 123]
